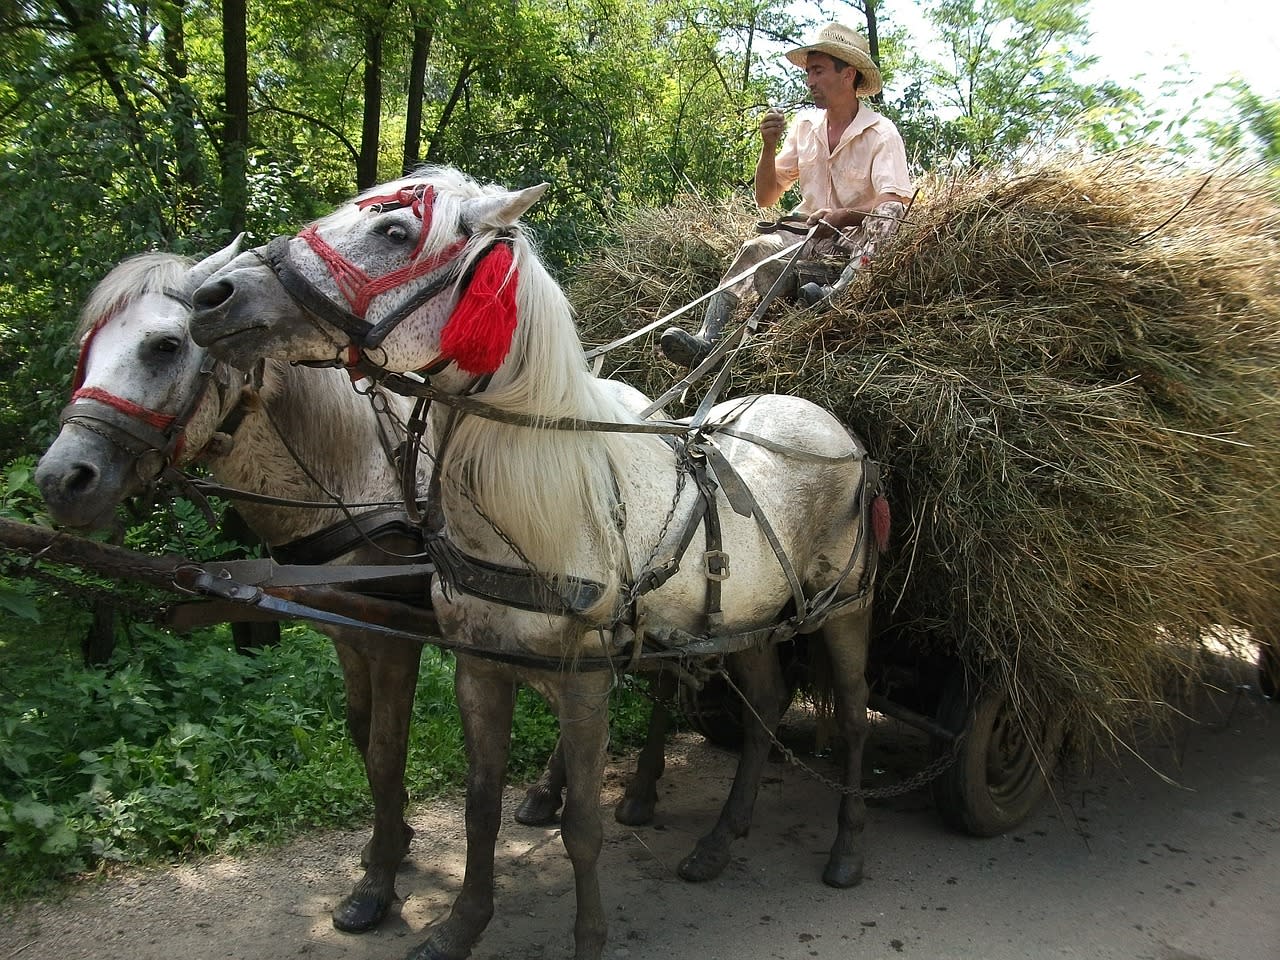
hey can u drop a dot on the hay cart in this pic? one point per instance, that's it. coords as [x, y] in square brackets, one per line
[987, 774]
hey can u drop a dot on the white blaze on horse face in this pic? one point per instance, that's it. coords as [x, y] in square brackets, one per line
[144, 355]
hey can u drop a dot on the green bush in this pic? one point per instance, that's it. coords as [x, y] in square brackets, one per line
[184, 745]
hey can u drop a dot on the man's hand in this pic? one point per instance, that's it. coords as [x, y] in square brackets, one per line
[841, 217]
[773, 124]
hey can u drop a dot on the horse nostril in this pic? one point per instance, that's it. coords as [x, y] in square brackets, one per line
[213, 294]
[80, 479]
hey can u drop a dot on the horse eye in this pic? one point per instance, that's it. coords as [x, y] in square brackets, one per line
[396, 233]
[166, 344]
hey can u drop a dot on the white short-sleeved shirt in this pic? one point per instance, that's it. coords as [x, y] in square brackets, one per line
[870, 159]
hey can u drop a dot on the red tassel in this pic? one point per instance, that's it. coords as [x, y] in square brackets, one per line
[478, 335]
[880, 522]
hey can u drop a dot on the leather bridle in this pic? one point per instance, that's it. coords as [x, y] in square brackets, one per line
[357, 287]
[154, 439]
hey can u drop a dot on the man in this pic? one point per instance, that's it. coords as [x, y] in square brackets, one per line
[851, 166]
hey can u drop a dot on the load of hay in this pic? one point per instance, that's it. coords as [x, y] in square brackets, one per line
[1071, 376]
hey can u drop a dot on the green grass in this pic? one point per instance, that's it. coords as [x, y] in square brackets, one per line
[182, 745]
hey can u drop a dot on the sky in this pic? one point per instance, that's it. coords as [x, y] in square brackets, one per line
[1218, 37]
[1140, 38]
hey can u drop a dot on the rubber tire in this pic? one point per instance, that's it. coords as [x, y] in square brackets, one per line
[1269, 671]
[995, 783]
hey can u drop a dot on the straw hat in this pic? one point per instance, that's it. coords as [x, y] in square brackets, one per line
[837, 40]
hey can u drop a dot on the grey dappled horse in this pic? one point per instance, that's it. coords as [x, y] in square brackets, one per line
[434, 273]
[145, 396]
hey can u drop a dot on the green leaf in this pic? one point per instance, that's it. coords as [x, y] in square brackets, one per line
[32, 811]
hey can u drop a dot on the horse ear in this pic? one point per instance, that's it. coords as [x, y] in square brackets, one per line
[210, 265]
[501, 210]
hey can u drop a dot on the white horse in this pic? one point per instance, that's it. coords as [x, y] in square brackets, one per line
[146, 397]
[559, 523]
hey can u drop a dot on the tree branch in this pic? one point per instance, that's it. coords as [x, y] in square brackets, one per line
[316, 122]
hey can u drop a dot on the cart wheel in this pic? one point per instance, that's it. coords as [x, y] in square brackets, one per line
[996, 781]
[1269, 671]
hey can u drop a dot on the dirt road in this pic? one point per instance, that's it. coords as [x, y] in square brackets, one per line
[1125, 865]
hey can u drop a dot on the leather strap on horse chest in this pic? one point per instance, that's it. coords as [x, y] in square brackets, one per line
[520, 587]
[345, 535]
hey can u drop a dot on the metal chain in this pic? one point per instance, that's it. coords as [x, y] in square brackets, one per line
[931, 772]
[633, 591]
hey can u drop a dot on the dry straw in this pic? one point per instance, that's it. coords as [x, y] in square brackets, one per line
[1070, 373]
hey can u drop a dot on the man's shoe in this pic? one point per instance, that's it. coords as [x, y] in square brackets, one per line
[683, 347]
[813, 294]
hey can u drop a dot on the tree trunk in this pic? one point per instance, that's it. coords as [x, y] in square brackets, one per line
[92, 32]
[371, 127]
[234, 151]
[422, 36]
[435, 148]
[182, 103]
[873, 41]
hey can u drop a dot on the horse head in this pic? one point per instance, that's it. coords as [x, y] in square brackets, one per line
[414, 274]
[140, 395]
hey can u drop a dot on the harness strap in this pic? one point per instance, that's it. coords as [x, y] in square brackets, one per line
[235, 493]
[512, 586]
[275, 255]
[715, 562]
[124, 427]
[720, 464]
[414, 432]
[344, 536]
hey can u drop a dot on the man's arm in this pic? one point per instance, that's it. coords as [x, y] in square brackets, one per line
[769, 186]
[847, 217]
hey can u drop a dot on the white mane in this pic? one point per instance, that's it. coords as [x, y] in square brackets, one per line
[536, 483]
[133, 278]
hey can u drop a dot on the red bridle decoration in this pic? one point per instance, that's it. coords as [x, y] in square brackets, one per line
[478, 334]
[152, 418]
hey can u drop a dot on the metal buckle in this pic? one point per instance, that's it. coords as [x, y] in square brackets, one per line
[715, 565]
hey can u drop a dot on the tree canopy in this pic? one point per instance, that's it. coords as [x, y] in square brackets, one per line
[138, 124]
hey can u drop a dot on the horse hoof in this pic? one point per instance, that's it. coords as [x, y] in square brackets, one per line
[843, 873]
[635, 812]
[703, 865]
[537, 809]
[356, 913]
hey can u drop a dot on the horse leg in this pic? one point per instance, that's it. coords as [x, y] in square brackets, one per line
[847, 636]
[392, 678]
[636, 806]
[486, 701]
[583, 705]
[359, 695]
[758, 675]
[543, 798]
